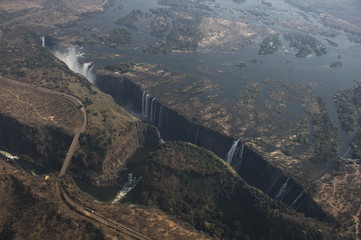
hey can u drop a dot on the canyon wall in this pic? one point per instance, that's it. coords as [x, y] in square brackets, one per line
[44, 145]
[133, 136]
[251, 166]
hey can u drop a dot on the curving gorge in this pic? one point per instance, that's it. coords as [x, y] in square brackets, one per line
[251, 166]
[34, 141]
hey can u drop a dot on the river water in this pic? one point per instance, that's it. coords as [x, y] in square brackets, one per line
[23, 163]
[219, 64]
[134, 169]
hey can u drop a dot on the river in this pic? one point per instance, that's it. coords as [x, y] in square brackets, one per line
[217, 65]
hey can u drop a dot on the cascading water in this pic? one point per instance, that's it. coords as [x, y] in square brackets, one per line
[232, 150]
[239, 159]
[88, 71]
[145, 106]
[149, 108]
[235, 155]
[8, 155]
[152, 111]
[160, 116]
[250, 165]
[43, 41]
[298, 197]
[273, 181]
[282, 190]
[143, 103]
[147, 98]
[197, 133]
[71, 59]
[127, 186]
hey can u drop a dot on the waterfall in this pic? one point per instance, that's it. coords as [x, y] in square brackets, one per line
[143, 104]
[160, 116]
[43, 41]
[88, 71]
[146, 112]
[152, 111]
[8, 155]
[299, 196]
[282, 190]
[235, 155]
[166, 118]
[239, 159]
[71, 59]
[197, 133]
[149, 108]
[232, 150]
[273, 181]
[127, 186]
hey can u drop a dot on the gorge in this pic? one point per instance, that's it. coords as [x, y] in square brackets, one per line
[250, 165]
[211, 119]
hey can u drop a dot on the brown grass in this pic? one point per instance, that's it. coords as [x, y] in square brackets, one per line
[36, 108]
[150, 222]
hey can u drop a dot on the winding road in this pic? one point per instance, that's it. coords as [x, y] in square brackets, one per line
[72, 100]
[75, 142]
[99, 217]
[78, 104]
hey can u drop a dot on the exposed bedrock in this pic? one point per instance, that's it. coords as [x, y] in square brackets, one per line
[134, 136]
[47, 145]
[251, 166]
[44, 145]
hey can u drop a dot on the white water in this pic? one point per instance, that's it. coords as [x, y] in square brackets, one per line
[160, 116]
[71, 59]
[232, 157]
[232, 150]
[147, 97]
[152, 111]
[43, 41]
[127, 186]
[145, 105]
[299, 196]
[197, 133]
[149, 108]
[238, 162]
[282, 190]
[9, 155]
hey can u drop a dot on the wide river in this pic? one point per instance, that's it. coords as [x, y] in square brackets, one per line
[217, 64]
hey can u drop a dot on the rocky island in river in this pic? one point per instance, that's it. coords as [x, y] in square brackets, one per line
[223, 114]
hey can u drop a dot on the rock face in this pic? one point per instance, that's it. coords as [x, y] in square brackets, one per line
[253, 168]
[35, 141]
[136, 135]
[31, 206]
[197, 187]
[47, 146]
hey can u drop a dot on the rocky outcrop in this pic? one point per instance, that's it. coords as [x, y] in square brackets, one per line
[136, 135]
[45, 145]
[254, 168]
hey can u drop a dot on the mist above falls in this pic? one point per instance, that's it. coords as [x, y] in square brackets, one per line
[70, 57]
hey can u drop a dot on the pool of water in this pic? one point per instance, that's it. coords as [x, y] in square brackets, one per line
[135, 166]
